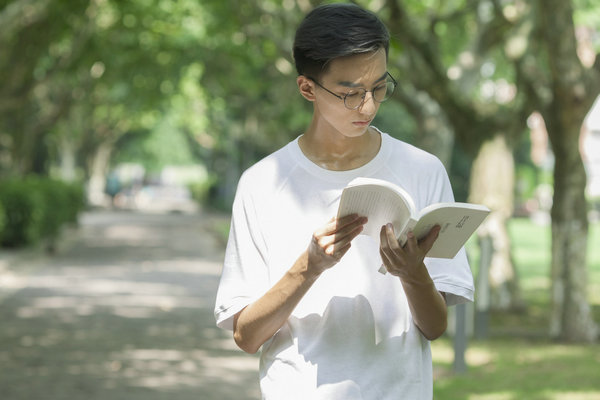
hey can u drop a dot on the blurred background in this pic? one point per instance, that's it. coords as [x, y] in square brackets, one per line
[139, 116]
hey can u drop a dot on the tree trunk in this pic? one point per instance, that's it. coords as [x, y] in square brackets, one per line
[68, 159]
[571, 318]
[573, 89]
[492, 183]
[98, 167]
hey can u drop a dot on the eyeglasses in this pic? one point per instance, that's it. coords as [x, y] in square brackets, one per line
[356, 98]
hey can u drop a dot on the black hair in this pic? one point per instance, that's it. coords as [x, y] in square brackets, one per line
[336, 30]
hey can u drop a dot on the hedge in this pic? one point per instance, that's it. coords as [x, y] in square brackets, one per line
[36, 208]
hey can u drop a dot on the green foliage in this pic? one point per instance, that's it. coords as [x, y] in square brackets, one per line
[188, 81]
[36, 208]
[163, 146]
[92, 73]
[53, 207]
[200, 190]
[526, 182]
[2, 220]
[24, 213]
[395, 120]
[587, 12]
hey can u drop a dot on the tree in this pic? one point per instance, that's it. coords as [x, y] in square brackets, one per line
[443, 51]
[37, 53]
[80, 75]
[536, 46]
[254, 104]
[564, 94]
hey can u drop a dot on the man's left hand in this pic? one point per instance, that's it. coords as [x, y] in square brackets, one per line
[404, 261]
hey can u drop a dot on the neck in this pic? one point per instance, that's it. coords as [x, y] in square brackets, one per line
[334, 151]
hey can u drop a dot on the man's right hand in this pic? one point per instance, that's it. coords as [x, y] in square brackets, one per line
[332, 241]
[259, 321]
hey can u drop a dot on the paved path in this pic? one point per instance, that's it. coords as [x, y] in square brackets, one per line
[122, 311]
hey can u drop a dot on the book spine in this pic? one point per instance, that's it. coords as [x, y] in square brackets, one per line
[410, 224]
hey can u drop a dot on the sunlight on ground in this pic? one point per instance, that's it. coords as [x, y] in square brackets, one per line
[534, 355]
[124, 311]
[148, 367]
[126, 298]
[537, 283]
[477, 357]
[573, 395]
[493, 396]
[443, 353]
[545, 395]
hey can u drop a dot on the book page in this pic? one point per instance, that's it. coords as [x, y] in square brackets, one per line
[458, 221]
[380, 204]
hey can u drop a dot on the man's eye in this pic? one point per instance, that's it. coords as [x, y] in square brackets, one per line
[381, 88]
[352, 95]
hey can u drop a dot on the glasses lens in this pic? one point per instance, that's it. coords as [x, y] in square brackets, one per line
[354, 99]
[380, 94]
[383, 92]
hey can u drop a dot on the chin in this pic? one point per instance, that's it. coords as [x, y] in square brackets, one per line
[357, 131]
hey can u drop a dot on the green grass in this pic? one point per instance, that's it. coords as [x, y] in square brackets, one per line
[519, 361]
[513, 368]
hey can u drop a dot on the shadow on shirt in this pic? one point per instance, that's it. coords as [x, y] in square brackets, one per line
[353, 351]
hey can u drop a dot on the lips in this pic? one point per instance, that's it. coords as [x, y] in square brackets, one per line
[362, 123]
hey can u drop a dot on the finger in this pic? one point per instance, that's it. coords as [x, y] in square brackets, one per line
[344, 235]
[411, 242]
[385, 258]
[326, 229]
[351, 230]
[342, 251]
[335, 224]
[337, 251]
[343, 241]
[384, 245]
[387, 262]
[391, 246]
[383, 241]
[391, 237]
[386, 240]
[427, 242]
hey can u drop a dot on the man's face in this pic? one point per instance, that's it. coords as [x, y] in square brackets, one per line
[344, 76]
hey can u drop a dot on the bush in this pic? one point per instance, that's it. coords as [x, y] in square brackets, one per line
[23, 210]
[37, 208]
[53, 208]
[75, 201]
[2, 220]
[200, 190]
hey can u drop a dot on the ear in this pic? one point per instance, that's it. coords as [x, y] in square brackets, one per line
[306, 87]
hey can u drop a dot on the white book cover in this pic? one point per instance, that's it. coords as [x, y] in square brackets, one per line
[383, 202]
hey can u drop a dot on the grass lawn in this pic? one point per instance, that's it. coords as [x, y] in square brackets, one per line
[519, 361]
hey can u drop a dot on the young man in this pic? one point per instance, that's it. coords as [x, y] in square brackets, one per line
[308, 292]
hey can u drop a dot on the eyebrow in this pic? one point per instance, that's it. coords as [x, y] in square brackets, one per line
[355, 85]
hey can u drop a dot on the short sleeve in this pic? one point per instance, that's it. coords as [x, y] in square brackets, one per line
[244, 276]
[454, 276]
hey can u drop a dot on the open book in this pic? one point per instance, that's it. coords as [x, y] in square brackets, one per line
[383, 202]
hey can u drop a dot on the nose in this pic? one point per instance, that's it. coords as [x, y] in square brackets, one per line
[368, 105]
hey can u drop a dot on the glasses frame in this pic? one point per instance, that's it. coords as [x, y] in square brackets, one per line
[343, 98]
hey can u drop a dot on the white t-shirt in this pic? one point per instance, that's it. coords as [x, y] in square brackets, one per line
[352, 335]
